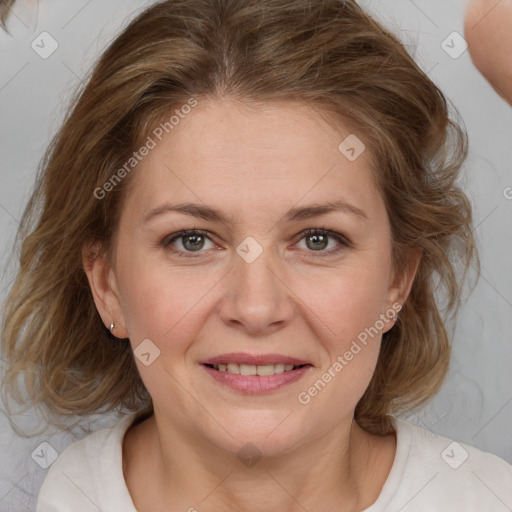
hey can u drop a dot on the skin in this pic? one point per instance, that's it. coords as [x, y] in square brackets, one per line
[488, 31]
[254, 165]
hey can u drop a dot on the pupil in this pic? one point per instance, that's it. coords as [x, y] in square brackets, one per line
[187, 238]
[317, 237]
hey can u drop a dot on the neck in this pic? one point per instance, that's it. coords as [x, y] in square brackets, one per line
[347, 466]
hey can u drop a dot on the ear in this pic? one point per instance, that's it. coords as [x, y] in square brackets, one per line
[400, 284]
[103, 284]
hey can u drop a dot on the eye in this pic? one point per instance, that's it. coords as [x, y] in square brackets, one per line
[193, 241]
[318, 239]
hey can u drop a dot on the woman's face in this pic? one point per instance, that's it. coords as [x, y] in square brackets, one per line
[254, 285]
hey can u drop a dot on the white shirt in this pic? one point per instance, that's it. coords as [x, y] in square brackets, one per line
[430, 473]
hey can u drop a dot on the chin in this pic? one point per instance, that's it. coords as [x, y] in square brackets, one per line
[259, 433]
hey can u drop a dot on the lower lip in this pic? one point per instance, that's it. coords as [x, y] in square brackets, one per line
[255, 384]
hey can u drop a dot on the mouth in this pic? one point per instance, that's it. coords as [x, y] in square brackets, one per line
[251, 369]
[251, 374]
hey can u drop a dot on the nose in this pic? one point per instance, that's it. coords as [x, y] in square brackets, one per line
[258, 300]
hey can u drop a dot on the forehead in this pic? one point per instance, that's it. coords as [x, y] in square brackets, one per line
[238, 157]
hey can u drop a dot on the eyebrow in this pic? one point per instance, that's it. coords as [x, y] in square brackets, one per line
[209, 213]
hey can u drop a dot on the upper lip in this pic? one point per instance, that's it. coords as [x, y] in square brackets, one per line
[256, 360]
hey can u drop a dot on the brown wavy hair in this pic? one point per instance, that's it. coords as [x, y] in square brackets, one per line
[329, 54]
[5, 7]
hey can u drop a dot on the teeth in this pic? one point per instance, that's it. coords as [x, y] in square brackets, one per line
[251, 369]
[247, 369]
[265, 370]
[279, 368]
[233, 368]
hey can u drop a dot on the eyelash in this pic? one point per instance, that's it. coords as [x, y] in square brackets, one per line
[344, 242]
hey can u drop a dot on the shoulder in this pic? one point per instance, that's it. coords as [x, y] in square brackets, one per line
[78, 477]
[442, 474]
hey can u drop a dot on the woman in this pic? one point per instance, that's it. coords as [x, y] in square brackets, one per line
[237, 236]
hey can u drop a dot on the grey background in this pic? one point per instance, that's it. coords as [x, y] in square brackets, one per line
[475, 403]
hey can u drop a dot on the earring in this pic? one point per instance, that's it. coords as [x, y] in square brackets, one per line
[112, 325]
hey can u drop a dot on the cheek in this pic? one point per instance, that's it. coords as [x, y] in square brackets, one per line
[160, 302]
[346, 301]
[169, 304]
[347, 313]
